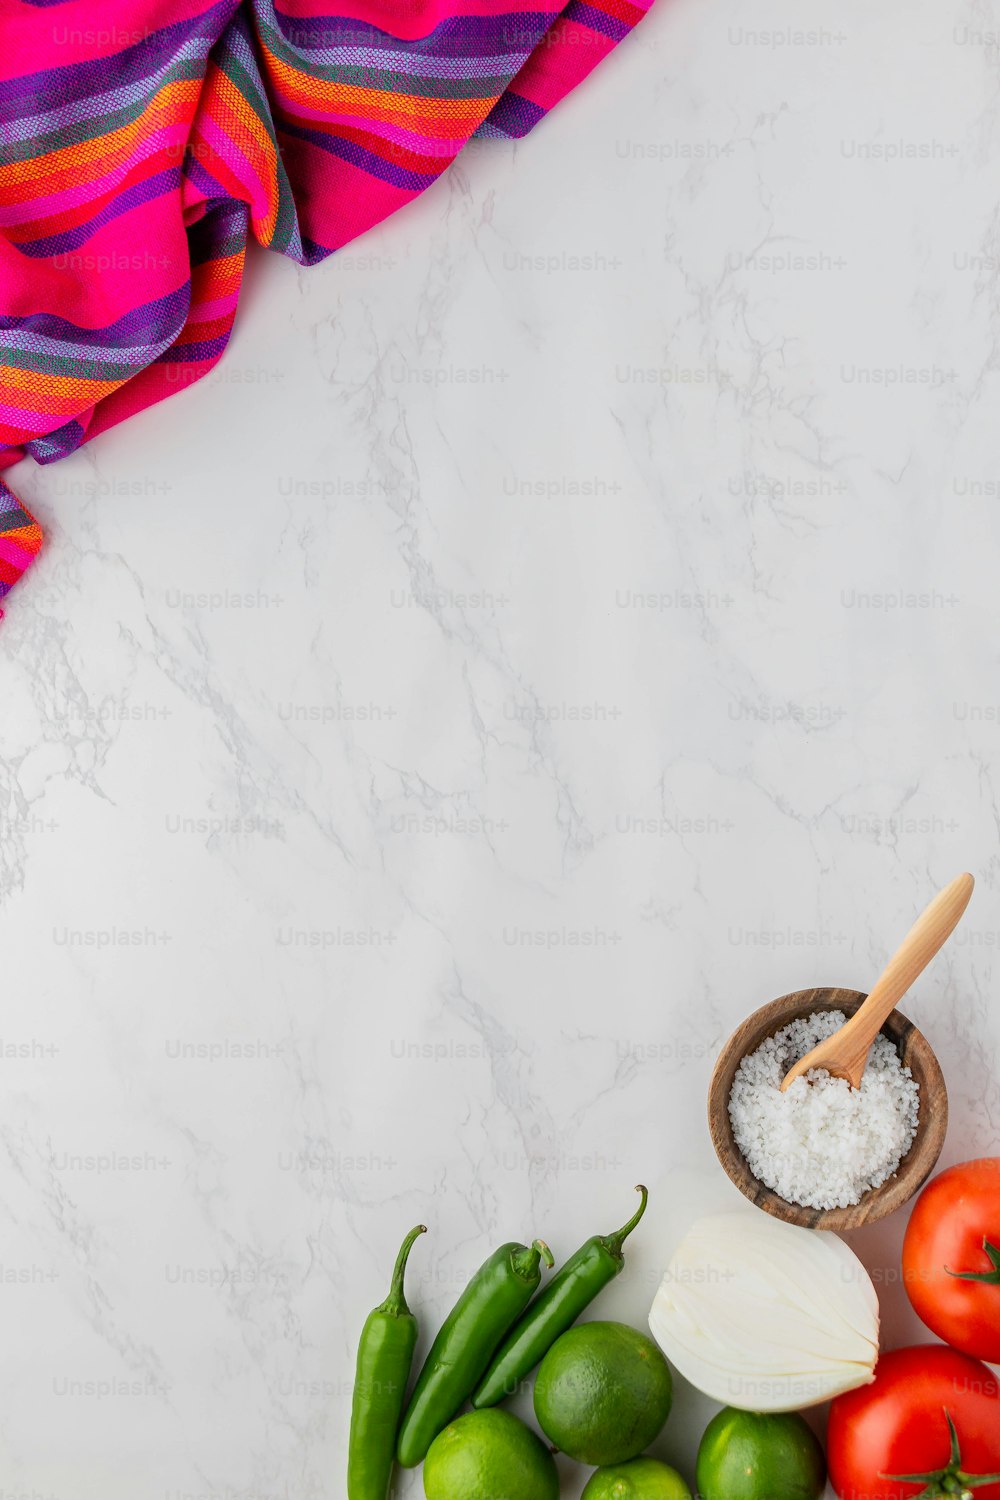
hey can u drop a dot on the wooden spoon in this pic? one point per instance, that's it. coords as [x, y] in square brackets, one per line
[845, 1053]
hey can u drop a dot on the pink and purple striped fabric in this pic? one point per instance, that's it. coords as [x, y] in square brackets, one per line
[143, 141]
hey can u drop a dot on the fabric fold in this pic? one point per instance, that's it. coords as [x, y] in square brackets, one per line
[139, 153]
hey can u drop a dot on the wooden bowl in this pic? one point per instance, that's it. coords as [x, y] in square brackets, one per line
[916, 1166]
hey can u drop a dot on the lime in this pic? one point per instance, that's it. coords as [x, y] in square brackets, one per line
[489, 1455]
[602, 1393]
[747, 1455]
[641, 1479]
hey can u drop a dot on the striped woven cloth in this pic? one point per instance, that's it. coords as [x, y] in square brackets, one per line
[143, 141]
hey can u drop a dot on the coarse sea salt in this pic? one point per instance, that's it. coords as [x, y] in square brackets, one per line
[822, 1144]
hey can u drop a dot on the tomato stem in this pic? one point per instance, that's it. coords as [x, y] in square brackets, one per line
[950, 1482]
[991, 1278]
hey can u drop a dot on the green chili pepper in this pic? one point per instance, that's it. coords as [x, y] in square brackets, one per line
[385, 1355]
[494, 1299]
[557, 1308]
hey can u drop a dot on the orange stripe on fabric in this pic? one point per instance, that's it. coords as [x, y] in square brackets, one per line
[28, 537]
[59, 394]
[59, 169]
[214, 278]
[433, 117]
[229, 110]
[29, 229]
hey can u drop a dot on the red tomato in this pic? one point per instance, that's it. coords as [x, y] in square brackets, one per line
[955, 1228]
[899, 1425]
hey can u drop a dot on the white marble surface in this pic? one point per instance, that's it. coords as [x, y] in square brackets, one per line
[555, 630]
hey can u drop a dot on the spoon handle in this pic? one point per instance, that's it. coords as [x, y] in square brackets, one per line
[930, 931]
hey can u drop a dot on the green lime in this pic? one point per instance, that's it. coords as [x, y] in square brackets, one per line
[486, 1455]
[748, 1455]
[640, 1479]
[602, 1393]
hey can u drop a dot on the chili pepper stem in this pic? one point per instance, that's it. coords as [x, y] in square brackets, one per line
[613, 1242]
[395, 1304]
[525, 1262]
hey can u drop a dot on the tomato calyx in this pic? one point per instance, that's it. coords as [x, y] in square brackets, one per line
[950, 1483]
[991, 1278]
